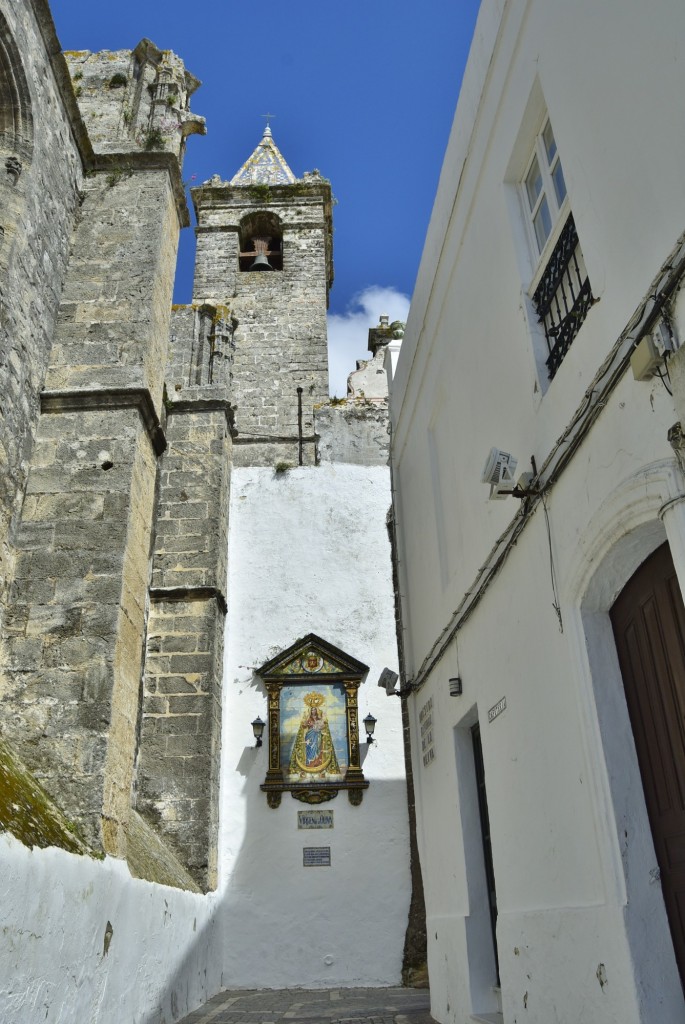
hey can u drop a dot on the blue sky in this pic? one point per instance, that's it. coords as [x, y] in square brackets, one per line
[363, 90]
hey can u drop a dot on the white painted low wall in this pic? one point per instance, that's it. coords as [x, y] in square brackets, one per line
[163, 957]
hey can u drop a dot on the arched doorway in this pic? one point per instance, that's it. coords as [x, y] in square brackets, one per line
[648, 620]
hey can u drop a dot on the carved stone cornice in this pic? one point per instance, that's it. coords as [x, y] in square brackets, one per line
[84, 399]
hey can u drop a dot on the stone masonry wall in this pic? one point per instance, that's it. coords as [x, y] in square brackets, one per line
[114, 317]
[73, 665]
[180, 733]
[180, 740]
[75, 617]
[202, 347]
[356, 429]
[134, 99]
[353, 431]
[37, 212]
[280, 334]
[190, 548]
[72, 660]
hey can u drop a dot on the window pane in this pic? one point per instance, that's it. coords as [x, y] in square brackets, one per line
[559, 183]
[542, 223]
[550, 144]
[533, 183]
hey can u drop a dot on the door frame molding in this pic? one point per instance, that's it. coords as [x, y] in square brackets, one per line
[641, 513]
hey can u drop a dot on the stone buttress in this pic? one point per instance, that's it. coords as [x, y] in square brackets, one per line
[72, 667]
[178, 769]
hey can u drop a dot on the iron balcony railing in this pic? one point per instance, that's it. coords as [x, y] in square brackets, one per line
[563, 296]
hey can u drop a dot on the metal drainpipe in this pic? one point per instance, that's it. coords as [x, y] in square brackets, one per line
[299, 426]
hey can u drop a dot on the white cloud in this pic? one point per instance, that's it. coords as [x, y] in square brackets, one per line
[348, 332]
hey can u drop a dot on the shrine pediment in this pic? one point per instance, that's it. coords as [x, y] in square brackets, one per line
[312, 657]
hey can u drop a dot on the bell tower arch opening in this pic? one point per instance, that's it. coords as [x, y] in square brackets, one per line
[261, 242]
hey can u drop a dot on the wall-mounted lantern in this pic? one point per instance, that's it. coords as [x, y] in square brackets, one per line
[369, 725]
[258, 730]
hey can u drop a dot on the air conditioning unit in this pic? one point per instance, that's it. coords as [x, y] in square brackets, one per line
[499, 471]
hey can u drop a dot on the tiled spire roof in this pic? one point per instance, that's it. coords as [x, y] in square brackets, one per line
[266, 166]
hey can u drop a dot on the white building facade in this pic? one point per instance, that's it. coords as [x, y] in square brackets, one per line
[543, 632]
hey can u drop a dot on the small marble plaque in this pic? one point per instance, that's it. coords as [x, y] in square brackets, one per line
[316, 856]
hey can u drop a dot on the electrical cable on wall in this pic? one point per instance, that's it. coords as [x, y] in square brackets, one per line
[552, 571]
[664, 380]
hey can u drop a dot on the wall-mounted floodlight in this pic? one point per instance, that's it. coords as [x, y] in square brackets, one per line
[498, 472]
[388, 681]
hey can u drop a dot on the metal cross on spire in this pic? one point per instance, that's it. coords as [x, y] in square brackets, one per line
[267, 129]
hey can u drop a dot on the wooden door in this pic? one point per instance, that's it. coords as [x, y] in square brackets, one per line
[648, 618]
[485, 836]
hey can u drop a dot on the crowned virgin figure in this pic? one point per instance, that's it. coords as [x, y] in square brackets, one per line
[313, 750]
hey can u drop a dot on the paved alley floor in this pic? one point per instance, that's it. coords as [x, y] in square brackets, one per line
[322, 1006]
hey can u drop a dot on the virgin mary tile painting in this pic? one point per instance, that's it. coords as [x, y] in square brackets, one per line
[313, 733]
[313, 728]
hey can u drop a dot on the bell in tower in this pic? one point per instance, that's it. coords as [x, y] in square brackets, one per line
[261, 261]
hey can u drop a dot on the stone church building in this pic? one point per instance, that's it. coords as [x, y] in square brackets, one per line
[193, 545]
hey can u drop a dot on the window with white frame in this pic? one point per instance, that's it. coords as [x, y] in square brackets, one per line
[562, 294]
[545, 187]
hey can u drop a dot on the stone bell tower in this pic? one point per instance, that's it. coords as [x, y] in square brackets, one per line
[264, 256]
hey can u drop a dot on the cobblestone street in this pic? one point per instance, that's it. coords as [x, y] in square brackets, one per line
[328, 1006]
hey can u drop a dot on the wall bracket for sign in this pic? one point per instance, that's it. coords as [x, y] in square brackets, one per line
[313, 723]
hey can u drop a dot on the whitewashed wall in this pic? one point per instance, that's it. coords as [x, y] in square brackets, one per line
[163, 959]
[309, 552]
[582, 933]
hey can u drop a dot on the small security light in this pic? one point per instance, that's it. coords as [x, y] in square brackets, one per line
[258, 729]
[369, 725]
[455, 687]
